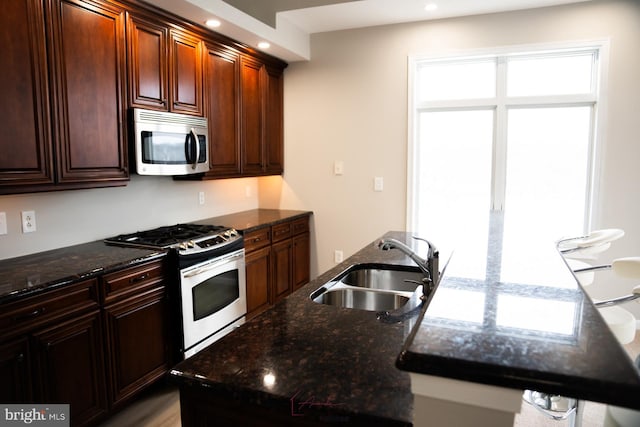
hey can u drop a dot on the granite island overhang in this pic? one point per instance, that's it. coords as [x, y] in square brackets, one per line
[304, 363]
[525, 324]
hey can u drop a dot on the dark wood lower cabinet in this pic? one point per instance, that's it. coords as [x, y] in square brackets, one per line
[93, 345]
[69, 367]
[277, 262]
[282, 254]
[257, 266]
[301, 259]
[138, 345]
[15, 371]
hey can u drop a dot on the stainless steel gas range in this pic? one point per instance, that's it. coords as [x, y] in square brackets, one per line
[209, 264]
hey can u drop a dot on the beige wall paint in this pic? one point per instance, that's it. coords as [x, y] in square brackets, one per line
[349, 103]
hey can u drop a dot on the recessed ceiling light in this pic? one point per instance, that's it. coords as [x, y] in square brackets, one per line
[431, 7]
[264, 45]
[213, 23]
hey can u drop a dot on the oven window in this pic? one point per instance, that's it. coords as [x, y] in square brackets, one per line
[214, 294]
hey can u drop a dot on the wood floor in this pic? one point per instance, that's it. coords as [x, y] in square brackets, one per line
[160, 407]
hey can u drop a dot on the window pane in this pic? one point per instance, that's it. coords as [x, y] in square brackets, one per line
[459, 80]
[453, 184]
[560, 75]
[547, 178]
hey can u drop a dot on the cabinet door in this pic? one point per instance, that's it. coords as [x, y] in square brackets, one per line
[148, 67]
[25, 142]
[69, 367]
[15, 386]
[282, 256]
[301, 254]
[258, 267]
[251, 117]
[185, 65]
[88, 58]
[222, 69]
[138, 350]
[273, 121]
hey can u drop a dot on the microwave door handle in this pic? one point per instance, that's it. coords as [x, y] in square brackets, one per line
[196, 142]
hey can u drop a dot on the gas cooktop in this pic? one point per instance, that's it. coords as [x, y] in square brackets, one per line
[185, 238]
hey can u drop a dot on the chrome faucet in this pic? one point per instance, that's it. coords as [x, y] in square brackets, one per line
[428, 266]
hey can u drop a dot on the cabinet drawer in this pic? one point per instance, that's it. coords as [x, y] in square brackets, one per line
[123, 283]
[20, 316]
[300, 225]
[280, 232]
[257, 239]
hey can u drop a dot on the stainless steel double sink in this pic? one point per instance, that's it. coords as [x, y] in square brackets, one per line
[373, 287]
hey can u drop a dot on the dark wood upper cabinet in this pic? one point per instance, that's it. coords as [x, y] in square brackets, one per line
[221, 71]
[165, 66]
[62, 76]
[185, 69]
[251, 116]
[88, 63]
[148, 62]
[273, 120]
[70, 69]
[25, 140]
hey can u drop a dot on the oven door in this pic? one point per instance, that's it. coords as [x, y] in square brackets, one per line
[213, 296]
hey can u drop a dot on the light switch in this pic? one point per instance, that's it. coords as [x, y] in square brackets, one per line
[378, 183]
[338, 167]
[3, 223]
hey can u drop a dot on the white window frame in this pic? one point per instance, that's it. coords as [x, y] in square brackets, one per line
[500, 104]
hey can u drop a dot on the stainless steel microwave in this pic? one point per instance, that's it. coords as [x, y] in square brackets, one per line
[169, 143]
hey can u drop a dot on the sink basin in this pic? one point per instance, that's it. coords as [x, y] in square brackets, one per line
[362, 299]
[382, 278]
[373, 287]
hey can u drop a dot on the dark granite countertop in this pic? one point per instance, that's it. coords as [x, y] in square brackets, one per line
[301, 351]
[30, 274]
[523, 322]
[252, 219]
[539, 333]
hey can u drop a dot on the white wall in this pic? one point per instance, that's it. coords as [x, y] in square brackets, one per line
[65, 218]
[349, 103]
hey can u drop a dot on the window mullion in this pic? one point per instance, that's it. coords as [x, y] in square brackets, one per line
[499, 167]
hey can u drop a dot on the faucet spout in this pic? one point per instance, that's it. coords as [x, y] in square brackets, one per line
[428, 266]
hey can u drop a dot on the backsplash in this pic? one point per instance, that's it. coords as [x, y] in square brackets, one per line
[65, 218]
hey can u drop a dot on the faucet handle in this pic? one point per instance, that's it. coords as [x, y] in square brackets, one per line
[431, 245]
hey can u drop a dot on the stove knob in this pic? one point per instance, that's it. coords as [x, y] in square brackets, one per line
[233, 232]
[191, 244]
[182, 246]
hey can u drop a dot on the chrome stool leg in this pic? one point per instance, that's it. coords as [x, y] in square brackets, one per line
[556, 407]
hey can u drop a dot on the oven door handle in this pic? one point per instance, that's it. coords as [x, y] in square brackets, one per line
[211, 265]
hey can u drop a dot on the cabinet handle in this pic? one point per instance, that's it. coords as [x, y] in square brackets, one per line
[138, 279]
[31, 315]
[20, 358]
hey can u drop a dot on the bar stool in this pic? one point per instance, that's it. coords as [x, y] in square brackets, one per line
[575, 248]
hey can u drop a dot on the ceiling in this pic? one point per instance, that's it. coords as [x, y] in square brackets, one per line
[288, 24]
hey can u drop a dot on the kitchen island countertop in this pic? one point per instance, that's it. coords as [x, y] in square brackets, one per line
[322, 361]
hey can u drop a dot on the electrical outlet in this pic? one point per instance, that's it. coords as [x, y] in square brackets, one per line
[3, 223]
[338, 256]
[28, 221]
[201, 197]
